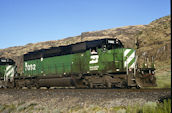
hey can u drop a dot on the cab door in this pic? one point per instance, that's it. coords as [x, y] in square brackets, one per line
[118, 59]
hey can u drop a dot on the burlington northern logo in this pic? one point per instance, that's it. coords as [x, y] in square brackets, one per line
[94, 59]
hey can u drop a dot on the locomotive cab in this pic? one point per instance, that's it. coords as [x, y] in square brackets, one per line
[106, 57]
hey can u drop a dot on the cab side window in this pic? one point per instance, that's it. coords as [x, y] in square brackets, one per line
[110, 46]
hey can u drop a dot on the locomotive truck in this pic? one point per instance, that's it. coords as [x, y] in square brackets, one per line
[103, 63]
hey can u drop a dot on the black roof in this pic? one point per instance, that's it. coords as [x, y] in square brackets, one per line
[5, 61]
[70, 49]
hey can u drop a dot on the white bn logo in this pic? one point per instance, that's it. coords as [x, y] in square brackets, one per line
[94, 59]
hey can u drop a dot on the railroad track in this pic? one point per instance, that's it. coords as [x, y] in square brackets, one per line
[72, 97]
[91, 90]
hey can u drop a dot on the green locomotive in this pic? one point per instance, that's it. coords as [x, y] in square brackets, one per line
[101, 63]
[7, 71]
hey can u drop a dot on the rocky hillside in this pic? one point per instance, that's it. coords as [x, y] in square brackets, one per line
[153, 39]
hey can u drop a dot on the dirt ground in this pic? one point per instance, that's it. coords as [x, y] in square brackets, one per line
[64, 99]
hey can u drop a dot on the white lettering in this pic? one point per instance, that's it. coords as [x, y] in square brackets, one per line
[30, 67]
[94, 68]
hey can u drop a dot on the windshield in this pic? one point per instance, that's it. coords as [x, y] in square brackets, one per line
[112, 44]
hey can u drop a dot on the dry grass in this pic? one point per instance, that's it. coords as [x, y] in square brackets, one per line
[149, 107]
[163, 75]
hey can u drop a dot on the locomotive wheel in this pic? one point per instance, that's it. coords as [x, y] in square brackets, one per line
[109, 85]
[48, 87]
[29, 87]
[91, 85]
[37, 86]
[18, 87]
